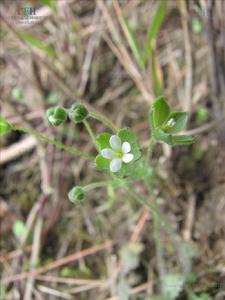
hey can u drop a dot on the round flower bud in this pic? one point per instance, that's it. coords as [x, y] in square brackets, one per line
[78, 113]
[56, 115]
[76, 194]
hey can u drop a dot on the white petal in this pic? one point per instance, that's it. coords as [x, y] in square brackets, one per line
[107, 153]
[126, 147]
[115, 142]
[127, 158]
[115, 165]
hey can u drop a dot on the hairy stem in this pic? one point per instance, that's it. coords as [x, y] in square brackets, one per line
[156, 217]
[54, 142]
[151, 144]
[104, 120]
[157, 232]
[90, 131]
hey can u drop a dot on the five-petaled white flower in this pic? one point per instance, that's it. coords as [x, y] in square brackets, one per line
[118, 154]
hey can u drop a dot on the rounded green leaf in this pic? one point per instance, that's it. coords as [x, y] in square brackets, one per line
[173, 285]
[173, 140]
[103, 140]
[5, 127]
[159, 113]
[176, 122]
[128, 169]
[126, 135]
[163, 136]
[102, 163]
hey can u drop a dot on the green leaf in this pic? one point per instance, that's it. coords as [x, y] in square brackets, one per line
[128, 169]
[50, 3]
[126, 135]
[159, 112]
[102, 163]
[182, 140]
[173, 140]
[103, 140]
[178, 122]
[134, 44]
[130, 255]
[5, 127]
[154, 28]
[163, 136]
[38, 44]
[173, 285]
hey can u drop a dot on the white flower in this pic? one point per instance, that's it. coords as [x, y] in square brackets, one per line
[171, 122]
[118, 153]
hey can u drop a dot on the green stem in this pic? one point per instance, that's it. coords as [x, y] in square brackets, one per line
[151, 144]
[95, 185]
[114, 182]
[88, 127]
[55, 143]
[157, 236]
[104, 120]
[156, 217]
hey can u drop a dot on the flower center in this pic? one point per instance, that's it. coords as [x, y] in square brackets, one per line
[119, 153]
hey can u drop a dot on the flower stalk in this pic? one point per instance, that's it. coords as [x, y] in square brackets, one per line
[156, 220]
[54, 142]
[104, 120]
[90, 132]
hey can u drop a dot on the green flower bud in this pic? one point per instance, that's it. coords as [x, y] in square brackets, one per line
[76, 194]
[56, 115]
[78, 113]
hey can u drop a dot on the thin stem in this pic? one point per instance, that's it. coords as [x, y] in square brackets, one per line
[90, 131]
[157, 236]
[156, 227]
[55, 143]
[95, 185]
[157, 232]
[114, 182]
[104, 120]
[156, 218]
[151, 144]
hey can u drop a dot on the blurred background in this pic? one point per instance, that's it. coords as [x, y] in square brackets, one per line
[115, 57]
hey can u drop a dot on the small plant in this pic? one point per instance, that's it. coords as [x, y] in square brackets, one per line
[118, 153]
